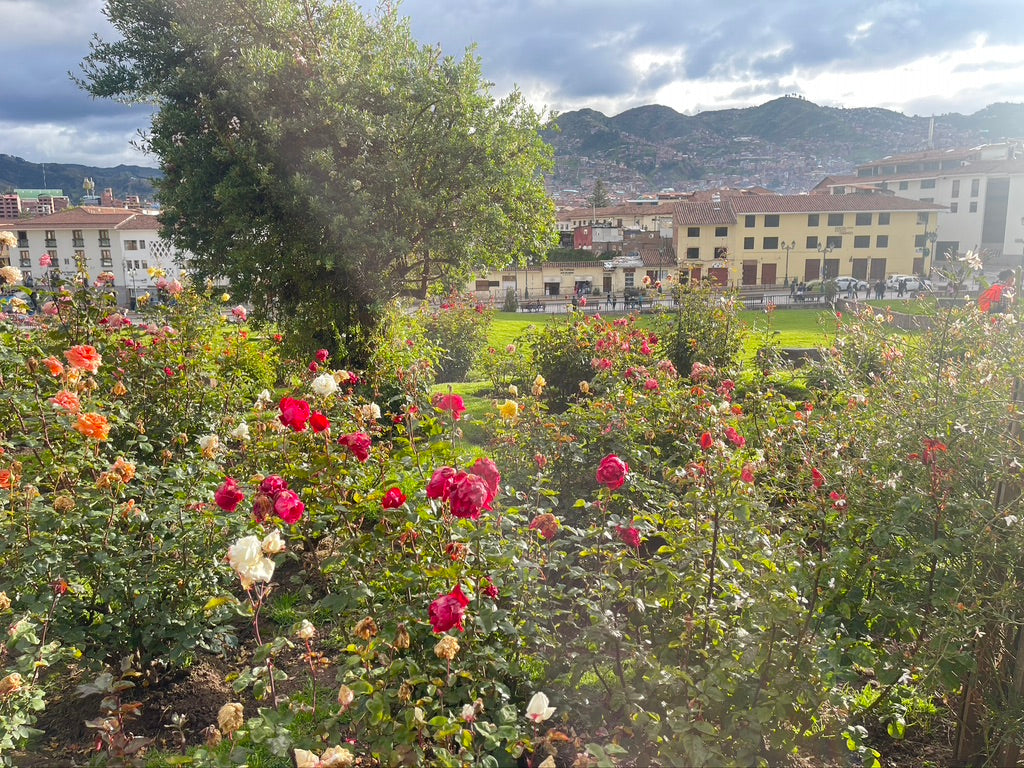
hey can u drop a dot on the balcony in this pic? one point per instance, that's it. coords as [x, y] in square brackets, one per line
[23, 242]
[104, 242]
[78, 242]
[50, 243]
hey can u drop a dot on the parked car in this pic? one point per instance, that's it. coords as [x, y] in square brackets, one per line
[843, 283]
[914, 283]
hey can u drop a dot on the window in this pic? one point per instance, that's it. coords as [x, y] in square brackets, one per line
[927, 183]
[142, 243]
[77, 241]
[51, 238]
[975, 187]
[883, 219]
[22, 238]
[834, 242]
[904, 185]
[812, 219]
[956, 188]
[693, 253]
[750, 220]
[628, 275]
[920, 241]
[771, 220]
[721, 252]
[882, 241]
[954, 207]
[862, 241]
[105, 260]
[104, 238]
[927, 199]
[131, 245]
[973, 207]
[145, 265]
[812, 241]
[693, 231]
[721, 231]
[748, 243]
[922, 219]
[771, 244]
[835, 219]
[863, 220]
[24, 259]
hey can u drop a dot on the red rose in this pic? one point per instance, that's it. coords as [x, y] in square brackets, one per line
[278, 338]
[228, 496]
[485, 468]
[747, 475]
[735, 437]
[817, 479]
[357, 442]
[612, 472]
[468, 496]
[294, 413]
[706, 441]
[630, 536]
[440, 484]
[489, 589]
[313, 367]
[448, 611]
[319, 423]
[546, 524]
[393, 499]
[288, 507]
[450, 404]
[273, 485]
[322, 355]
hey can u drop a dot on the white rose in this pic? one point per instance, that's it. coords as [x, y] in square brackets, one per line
[209, 443]
[263, 399]
[306, 631]
[247, 559]
[240, 433]
[369, 412]
[324, 385]
[538, 710]
[272, 543]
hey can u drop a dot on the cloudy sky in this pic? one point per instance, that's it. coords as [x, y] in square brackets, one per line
[915, 56]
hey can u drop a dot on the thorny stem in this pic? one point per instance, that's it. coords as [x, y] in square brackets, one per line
[312, 673]
[42, 641]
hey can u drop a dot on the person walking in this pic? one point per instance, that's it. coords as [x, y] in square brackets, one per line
[901, 288]
[613, 300]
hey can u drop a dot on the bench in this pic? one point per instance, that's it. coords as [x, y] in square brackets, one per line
[531, 306]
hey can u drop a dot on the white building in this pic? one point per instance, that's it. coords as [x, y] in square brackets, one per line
[123, 242]
[981, 188]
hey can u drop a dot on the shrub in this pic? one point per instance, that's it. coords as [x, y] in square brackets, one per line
[458, 328]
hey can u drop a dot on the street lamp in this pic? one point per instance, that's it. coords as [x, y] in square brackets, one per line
[929, 246]
[824, 250]
[788, 247]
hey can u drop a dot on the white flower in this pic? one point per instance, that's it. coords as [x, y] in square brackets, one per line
[306, 631]
[538, 710]
[209, 443]
[1010, 520]
[240, 433]
[337, 757]
[369, 412]
[272, 543]
[10, 275]
[324, 385]
[263, 399]
[246, 557]
[513, 390]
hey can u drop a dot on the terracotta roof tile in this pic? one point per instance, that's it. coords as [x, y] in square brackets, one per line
[706, 213]
[828, 203]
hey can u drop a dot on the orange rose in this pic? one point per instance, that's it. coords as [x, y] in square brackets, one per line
[84, 357]
[93, 425]
[68, 401]
[119, 389]
[56, 366]
[6, 479]
[124, 469]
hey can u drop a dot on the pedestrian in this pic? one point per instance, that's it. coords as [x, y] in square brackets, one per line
[880, 289]
[992, 299]
[613, 300]
[901, 287]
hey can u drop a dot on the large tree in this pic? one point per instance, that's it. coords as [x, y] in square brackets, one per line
[320, 159]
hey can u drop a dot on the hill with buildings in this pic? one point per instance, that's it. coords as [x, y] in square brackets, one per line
[787, 144]
[125, 180]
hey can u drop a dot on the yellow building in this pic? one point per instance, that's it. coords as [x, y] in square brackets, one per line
[774, 240]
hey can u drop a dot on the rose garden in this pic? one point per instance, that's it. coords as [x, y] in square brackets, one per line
[645, 545]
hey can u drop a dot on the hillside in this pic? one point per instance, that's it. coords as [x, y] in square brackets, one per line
[16, 173]
[787, 144]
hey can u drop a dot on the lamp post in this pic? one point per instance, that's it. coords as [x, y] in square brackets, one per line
[788, 247]
[824, 250]
[929, 247]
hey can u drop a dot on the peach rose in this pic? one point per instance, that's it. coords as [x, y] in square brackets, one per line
[55, 366]
[93, 425]
[84, 357]
[68, 401]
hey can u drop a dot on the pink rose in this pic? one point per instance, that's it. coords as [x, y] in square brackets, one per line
[322, 355]
[294, 413]
[448, 611]
[450, 404]
[359, 443]
[288, 507]
[228, 496]
[468, 496]
[485, 468]
[630, 536]
[612, 472]
[440, 484]
[393, 499]
[273, 485]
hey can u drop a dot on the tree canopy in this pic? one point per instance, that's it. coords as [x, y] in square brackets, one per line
[320, 159]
